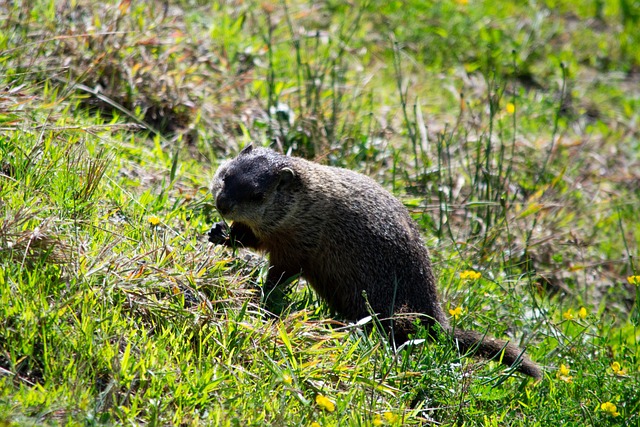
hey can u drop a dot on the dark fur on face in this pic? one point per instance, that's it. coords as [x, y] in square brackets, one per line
[250, 183]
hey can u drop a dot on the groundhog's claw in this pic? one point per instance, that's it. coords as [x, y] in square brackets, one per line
[219, 233]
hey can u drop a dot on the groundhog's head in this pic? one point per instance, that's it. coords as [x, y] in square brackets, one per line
[253, 187]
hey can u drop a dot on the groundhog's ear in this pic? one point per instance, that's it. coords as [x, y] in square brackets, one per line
[247, 149]
[287, 175]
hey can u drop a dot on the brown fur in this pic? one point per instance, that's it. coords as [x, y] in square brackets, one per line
[346, 236]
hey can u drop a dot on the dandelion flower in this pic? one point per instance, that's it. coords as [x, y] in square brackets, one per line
[582, 313]
[286, 378]
[455, 312]
[390, 417]
[470, 275]
[511, 108]
[568, 315]
[634, 280]
[377, 420]
[153, 220]
[563, 374]
[315, 424]
[564, 370]
[618, 369]
[610, 409]
[325, 403]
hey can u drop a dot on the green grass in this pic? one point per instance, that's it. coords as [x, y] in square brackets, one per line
[510, 130]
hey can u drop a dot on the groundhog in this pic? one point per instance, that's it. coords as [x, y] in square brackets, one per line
[353, 242]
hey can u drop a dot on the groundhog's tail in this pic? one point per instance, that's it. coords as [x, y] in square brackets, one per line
[486, 347]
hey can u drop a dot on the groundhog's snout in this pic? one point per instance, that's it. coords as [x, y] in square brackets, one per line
[223, 204]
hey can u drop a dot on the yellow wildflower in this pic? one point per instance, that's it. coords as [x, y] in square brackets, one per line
[153, 220]
[325, 403]
[563, 374]
[315, 424]
[634, 280]
[511, 108]
[610, 409]
[286, 378]
[568, 315]
[618, 369]
[377, 420]
[582, 313]
[455, 312]
[470, 275]
[390, 417]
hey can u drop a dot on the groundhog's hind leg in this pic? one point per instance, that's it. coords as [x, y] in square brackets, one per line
[276, 287]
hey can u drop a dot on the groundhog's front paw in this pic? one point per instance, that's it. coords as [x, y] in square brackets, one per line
[219, 233]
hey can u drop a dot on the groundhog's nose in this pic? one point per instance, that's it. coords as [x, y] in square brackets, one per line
[223, 204]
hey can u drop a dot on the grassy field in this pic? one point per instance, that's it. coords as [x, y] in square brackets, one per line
[509, 129]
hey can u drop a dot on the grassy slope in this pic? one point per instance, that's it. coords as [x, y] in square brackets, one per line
[114, 310]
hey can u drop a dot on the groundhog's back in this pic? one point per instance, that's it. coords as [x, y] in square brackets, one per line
[358, 237]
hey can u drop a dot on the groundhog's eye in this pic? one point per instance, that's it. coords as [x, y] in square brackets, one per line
[257, 196]
[247, 193]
